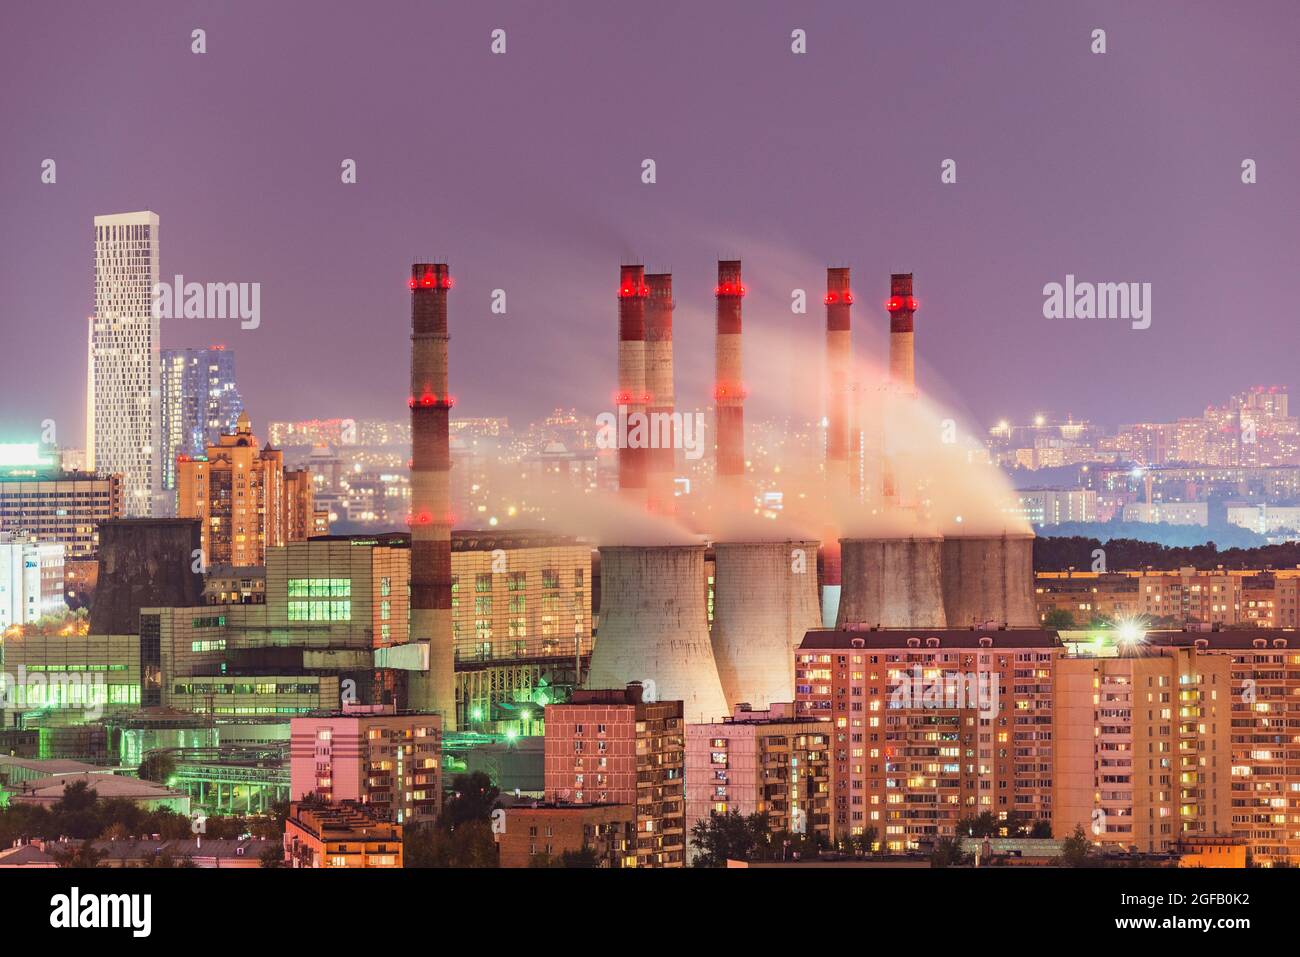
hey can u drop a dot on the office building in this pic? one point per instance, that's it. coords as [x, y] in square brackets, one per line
[31, 580]
[200, 402]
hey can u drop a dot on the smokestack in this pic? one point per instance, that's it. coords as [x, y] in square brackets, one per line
[632, 295]
[901, 305]
[839, 361]
[435, 688]
[659, 387]
[729, 388]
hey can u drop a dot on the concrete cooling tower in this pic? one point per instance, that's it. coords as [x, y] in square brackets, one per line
[764, 602]
[989, 580]
[891, 583]
[654, 628]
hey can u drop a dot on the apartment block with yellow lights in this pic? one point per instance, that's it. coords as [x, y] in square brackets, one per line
[1143, 755]
[762, 762]
[244, 497]
[1265, 742]
[930, 727]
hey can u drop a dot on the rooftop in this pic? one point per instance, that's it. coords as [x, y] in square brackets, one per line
[897, 638]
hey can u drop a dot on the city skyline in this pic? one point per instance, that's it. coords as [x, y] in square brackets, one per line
[1170, 209]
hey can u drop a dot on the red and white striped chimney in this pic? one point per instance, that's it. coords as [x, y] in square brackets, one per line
[631, 397]
[430, 403]
[659, 387]
[729, 387]
[902, 307]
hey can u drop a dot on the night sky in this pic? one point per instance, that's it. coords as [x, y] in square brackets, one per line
[523, 171]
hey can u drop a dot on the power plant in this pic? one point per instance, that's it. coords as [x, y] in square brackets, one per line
[654, 615]
[764, 602]
[654, 627]
[432, 688]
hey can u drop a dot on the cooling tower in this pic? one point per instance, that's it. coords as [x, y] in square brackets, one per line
[891, 583]
[764, 602]
[989, 580]
[145, 563]
[654, 627]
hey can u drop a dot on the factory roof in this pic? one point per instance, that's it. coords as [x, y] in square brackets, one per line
[899, 638]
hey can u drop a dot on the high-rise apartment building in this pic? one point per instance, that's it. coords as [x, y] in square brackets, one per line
[1265, 798]
[125, 356]
[611, 747]
[244, 498]
[389, 762]
[200, 402]
[762, 762]
[932, 727]
[1142, 740]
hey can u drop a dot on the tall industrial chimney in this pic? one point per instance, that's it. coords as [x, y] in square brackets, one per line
[632, 295]
[433, 689]
[659, 387]
[839, 363]
[729, 388]
[901, 305]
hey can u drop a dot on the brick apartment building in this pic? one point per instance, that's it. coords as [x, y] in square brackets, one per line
[613, 747]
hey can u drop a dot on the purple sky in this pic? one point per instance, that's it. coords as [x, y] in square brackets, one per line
[523, 170]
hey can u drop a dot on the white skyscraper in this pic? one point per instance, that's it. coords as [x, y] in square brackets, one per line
[127, 423]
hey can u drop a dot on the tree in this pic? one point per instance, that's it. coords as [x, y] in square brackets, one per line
[984, 824]
[1076, 849]
[947, 852]
[867, 840]
[157, 766]
[472, 799]
[728, 836]
[1060, 619]
[272, 856]
[81, 854]
[1041, 830]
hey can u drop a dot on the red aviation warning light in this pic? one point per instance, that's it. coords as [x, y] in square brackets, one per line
[901, 303]
[632, 291]
[736, 289]
[832, 298]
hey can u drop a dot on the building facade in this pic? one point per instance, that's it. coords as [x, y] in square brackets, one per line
[930, 728]
[611, 747]
[1143, 755]
[762, 762]
[242, 496]
[125, 355]
[31, 580]
[64, 507]
[200, 402]
[608, 831]
[390, 763]
[340, 835]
